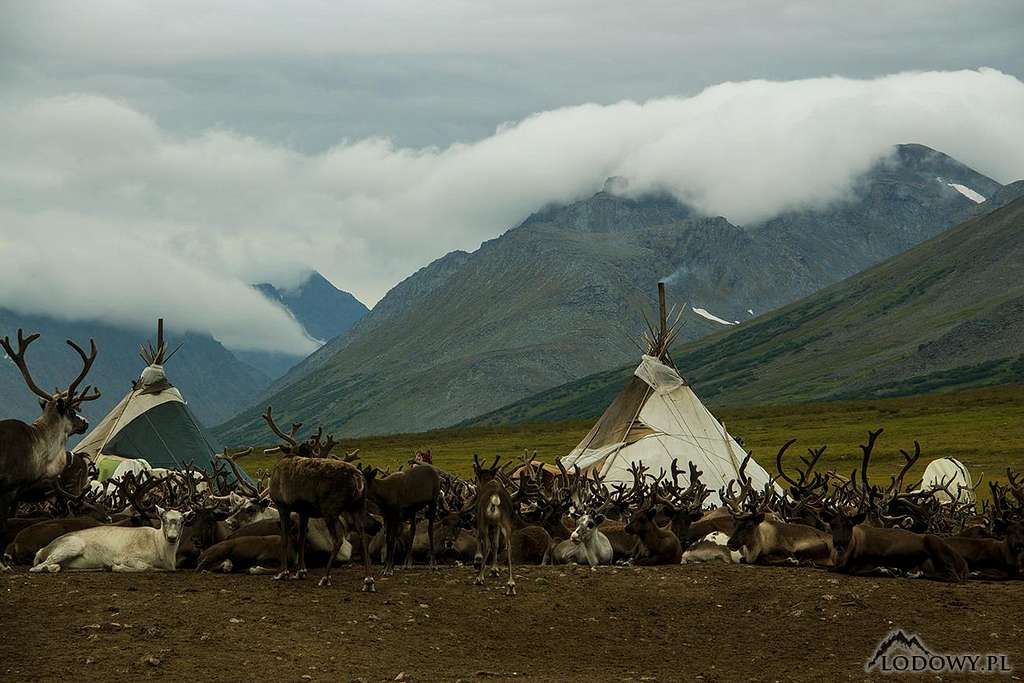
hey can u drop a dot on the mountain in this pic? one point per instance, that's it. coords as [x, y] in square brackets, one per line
[948, 314]
[323, 310]
[213, 381]
[560, 295]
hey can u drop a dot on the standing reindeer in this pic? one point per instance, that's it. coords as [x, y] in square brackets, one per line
[316, 487]
[33, 454]
[399, 496]
[493, 520]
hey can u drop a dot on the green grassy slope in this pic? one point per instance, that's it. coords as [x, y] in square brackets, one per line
[982, 427]
[948, 314]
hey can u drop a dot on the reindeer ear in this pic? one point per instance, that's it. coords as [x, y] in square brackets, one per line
[598, 518]
[160, 511]
[652, 512]
[999, 525]
[859, 518]
[758, 517]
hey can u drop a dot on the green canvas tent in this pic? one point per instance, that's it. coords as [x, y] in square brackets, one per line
[154, 423]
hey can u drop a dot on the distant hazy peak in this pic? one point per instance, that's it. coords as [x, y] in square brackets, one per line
[322, 309]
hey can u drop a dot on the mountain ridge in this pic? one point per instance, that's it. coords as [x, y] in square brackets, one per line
[558, 296]
[948, 314]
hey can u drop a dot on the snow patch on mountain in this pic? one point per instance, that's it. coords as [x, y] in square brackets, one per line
[973, 195]
[704, 313]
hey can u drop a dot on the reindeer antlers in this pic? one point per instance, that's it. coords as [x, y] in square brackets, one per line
[87, 362]
[287, 438]
[18, 358]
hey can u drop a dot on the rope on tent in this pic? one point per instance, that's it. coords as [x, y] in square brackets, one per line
[728, 447]
[609, 459]
[117, 422]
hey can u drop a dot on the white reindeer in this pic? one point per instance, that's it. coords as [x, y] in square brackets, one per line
[119, 549]
[587, 544]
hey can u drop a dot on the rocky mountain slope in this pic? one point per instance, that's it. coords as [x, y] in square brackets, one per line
[561, 296]
[947, 314]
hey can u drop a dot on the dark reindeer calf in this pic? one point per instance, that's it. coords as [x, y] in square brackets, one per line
[662, 545]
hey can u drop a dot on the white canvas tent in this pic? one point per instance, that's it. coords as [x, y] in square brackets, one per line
[657, 419]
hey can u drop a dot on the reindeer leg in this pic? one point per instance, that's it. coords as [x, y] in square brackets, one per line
[497, 537]
[510, 589]
[303, 528]
[412, 540]
[286, 539]
[431, 512]
[482, 551]
[368, 584]
[332, 528]
[391, 530]
[4, 507]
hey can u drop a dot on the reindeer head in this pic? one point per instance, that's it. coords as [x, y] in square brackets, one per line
[1014, 533]
[485, 474]
[746, 527]
[642, 521]
[172, 522]
[60, 407]
[585, 527]
[842, 522]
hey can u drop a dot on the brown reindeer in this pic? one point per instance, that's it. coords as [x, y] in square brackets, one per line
[33, 454]
[253, 554]
[318, 487]
[493, 520]
[661, 544]
[862, 549]
[991, 558]
[764, 540]
[399, 496]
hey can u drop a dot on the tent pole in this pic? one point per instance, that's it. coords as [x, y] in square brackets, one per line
[159, 333]
[662, 312]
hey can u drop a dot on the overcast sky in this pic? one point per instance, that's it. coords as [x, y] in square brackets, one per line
[250, 140]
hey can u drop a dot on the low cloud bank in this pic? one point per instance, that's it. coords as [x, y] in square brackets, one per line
[103, 214]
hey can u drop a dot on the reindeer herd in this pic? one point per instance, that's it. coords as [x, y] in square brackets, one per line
[315, 507]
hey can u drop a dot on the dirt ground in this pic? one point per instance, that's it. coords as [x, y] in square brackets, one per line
[706, 623]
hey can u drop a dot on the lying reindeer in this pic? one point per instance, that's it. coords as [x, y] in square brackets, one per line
[771, 541]
[992, 558]
[254, 554]
[119, 549]
[661, 545]
[862, 549]
[587, 544]
[712, 548]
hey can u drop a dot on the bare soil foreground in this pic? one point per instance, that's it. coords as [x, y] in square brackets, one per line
[712, 623]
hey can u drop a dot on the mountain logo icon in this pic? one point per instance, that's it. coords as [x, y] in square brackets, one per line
[897, 642]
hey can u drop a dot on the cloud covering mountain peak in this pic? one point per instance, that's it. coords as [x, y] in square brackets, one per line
[105, 214]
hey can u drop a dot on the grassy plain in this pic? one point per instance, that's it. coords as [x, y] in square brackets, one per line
[984, 428]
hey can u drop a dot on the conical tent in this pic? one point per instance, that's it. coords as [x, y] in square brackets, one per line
[152, 422]
[657, 419]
